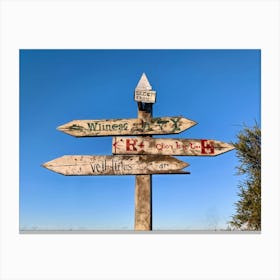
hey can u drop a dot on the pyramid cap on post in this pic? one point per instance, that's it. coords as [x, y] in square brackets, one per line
[143, 91]
[143, 83]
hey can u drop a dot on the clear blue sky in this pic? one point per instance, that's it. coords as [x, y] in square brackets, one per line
[219, 89]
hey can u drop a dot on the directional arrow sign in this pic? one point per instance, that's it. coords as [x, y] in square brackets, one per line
[165, 125]
[116, 165]
[179, 147]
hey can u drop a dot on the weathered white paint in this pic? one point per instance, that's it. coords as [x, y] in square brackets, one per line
[165, 125]
[115, 165]
[165, 146]
[146, 96]
[143, 83]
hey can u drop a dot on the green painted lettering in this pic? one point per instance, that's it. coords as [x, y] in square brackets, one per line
[76, 127]
[175, 121]
[108, 127]
[95, 126]
[123, 126]
[92, 126]
[146, 126]
[161, 123]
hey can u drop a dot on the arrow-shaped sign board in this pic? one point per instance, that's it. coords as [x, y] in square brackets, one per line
[164, 146]
[165, 125]
[116, 165]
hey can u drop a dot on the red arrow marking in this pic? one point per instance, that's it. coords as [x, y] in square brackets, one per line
[115, 145]
[141, 145]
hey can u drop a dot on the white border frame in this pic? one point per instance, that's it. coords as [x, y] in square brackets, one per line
[139, 24]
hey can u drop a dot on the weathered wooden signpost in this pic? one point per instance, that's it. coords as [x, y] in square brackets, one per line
[142, 155]
[143, 183]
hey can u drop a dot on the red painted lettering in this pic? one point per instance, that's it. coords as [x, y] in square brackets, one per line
[141, 145]
[178, 146]
[130, 144]
[207, 147]
[185, 147]
[192, 146]
[159, 147]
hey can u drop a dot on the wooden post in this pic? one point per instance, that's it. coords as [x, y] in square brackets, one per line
[143, 202]
[143, 183]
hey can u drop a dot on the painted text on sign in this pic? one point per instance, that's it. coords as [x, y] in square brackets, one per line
[164, 125]
[188, 147]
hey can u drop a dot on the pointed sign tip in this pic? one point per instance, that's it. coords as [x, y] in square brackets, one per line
[143, 83]
[144, 76]
[62, 127]
[46, 164]
[231, 147]
[194, 123]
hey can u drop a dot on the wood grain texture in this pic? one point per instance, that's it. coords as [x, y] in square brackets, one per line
[115, 127]
[115, 165]
[143, 216]
[143, 202]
